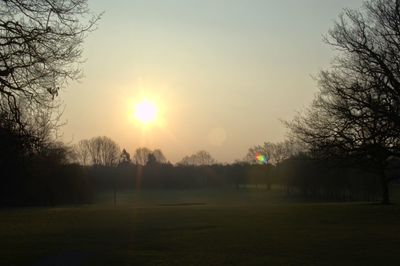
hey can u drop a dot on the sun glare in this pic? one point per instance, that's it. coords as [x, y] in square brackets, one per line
[145, 112]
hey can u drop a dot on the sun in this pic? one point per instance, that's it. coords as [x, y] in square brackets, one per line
[146, 112]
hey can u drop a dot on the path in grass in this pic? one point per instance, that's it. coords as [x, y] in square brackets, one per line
[202, 234]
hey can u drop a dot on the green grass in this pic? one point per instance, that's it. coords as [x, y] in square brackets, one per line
[202, 228]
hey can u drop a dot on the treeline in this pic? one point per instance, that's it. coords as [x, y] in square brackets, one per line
[327, 180]
[168, 176]
[50, 177]
[298, 176]
[48, 173]
[34, 175]
[42, 182]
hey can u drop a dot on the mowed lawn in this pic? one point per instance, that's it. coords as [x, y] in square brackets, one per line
[243, 229]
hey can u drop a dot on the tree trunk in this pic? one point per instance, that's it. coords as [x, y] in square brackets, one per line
[385, 188]
[115, 192]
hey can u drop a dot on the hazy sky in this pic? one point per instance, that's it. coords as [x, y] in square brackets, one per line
[223, 72]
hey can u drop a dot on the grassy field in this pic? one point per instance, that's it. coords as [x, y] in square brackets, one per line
[202, 228]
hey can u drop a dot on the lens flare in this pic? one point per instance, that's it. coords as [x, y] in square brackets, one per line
[261, 159]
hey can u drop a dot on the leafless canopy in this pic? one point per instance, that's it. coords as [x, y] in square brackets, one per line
[199, 158]
[141, 156]
[357, 111]
[358, 108]
[275, 152]
[40, 48]
[98, 151]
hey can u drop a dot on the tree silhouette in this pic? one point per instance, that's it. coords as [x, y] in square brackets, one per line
[98, 151]
[199, 158]
[357, 111]
[151, 160]
[40, 48]
[125, 157]
[159, 156]
[40, 51]
[274, 152]
[82, 152]
[141, 156]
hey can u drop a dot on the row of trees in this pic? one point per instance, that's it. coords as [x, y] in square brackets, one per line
[354, 121]
[298, 176]
[104, 151]
[51, 179]
[289, 167]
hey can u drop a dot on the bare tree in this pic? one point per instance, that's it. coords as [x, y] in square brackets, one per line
[40, 44]
[367, 69]
[199, 158]
[98, 151]
[251, 156]
[275, 153]
[141, 156]
[82, 153]
[159, 156]
[106, 151]
[125, 157]
[39, 128]
[357, 112]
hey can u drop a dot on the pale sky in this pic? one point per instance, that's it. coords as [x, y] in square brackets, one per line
[223, 72]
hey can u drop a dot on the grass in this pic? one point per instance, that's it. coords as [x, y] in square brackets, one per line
[202, 228]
